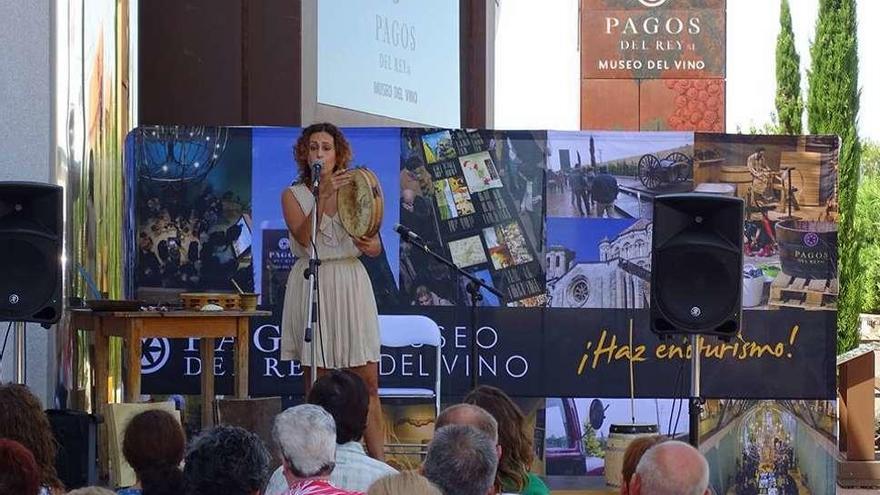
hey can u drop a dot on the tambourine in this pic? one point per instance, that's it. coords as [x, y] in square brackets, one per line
[360, 204]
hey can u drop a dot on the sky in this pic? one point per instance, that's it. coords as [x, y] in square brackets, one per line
[537, 62]
[584, 233]
[612, 145]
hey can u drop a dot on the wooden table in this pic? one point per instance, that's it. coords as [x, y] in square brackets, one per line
[133, 326]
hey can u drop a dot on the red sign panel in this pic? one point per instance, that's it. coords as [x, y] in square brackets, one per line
[631, 39]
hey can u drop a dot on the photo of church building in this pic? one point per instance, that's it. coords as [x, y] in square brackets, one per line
[617, 279]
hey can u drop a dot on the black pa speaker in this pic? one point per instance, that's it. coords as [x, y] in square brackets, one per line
[30, 252]
[696, 265]
[76, 435]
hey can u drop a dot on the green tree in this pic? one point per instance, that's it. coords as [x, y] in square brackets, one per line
[771, 127]
[870, 159]
[789, 105]
[592, 445]
[832, 108]
[866, 230]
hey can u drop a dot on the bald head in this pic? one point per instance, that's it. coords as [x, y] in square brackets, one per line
[470, 415]
[671, 468]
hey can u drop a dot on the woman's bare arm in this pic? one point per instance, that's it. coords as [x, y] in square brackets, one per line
[297, 221]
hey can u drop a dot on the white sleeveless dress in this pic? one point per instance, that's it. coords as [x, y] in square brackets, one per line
[349, 333]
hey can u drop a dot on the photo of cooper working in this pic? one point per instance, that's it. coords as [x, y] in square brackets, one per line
[789, 186]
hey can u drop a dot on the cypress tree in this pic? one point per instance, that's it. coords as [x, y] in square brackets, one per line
[789, 105]
[832, 108]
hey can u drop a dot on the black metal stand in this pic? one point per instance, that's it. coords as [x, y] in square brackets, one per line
[695, 402]
[19, 353]
[313, 328]
[473, 288]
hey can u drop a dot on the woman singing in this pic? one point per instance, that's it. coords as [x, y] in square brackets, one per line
[348, 335]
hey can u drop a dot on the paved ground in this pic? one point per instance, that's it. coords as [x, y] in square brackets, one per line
[559, 205]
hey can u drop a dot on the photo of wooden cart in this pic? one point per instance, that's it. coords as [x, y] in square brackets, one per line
[655, 172]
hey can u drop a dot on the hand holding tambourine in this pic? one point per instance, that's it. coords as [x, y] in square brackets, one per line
[337, 181]
[360, 204]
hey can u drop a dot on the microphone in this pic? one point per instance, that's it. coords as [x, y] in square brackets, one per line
[407, 234]
[316, 172]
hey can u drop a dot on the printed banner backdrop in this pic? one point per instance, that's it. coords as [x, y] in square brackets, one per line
[507, 207]
[275, 170]
[193, 210]
[771, 446]
[578, 430]
[560, 223]
[789, 184]
[477, 198]
[752, 446]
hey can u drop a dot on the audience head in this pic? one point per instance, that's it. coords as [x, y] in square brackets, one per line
[20, 473]
[461, 460]
[631, 457]
[228, 460]
[408, 482]
[154, 445]
[516, 446]
[91, 490]
[22, 419]
[306, 437]
[344, 395]
[471, 415]
[671, 468]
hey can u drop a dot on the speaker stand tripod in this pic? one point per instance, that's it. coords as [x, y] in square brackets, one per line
[695, 402]
[19, 351]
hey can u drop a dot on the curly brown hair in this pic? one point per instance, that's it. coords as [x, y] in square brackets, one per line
[516, 446]
[154, 445]
[301, 149]
[22, 419]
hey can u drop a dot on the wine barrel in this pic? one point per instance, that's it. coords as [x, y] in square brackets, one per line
[738, 176]
[619, 438]
[808, 249]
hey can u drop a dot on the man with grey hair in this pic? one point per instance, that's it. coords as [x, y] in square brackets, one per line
[469, 414]
[461, 460]
[671, 468]
[306, 437]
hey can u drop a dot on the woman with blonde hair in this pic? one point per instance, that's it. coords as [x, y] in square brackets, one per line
[409, 482]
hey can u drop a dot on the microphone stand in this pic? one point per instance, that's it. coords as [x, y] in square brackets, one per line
[311, 273]
[473, 288]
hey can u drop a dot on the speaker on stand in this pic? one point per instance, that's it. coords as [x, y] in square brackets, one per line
[31, 226]
[696, 275]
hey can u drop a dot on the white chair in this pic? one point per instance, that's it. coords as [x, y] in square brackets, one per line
[411, 330]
